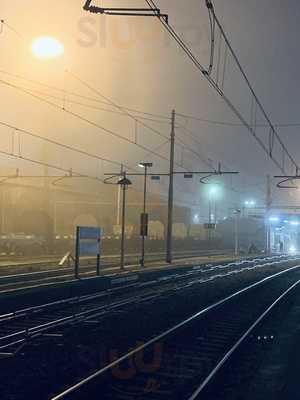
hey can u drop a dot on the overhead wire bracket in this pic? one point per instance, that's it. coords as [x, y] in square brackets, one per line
[287, 178]
[128, 12]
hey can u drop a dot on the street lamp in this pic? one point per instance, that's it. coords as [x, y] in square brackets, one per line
[47, 47]
[212, 193]
[212, 218]
[144, 215]
[248, 204]
[124, 183]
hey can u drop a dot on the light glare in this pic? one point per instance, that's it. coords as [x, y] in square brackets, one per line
[196, 219]
[46, 47]
[274, 219]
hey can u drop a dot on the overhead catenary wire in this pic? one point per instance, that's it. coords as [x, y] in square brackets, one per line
[49, 165]
[193, 135]
[86, 120]
[212, 39]
[91, 99]
[207, 161]
[90, 106]
[4, 24]
[164, 118]
[189, 53]
[158, 118]
[234, 124]
[114, 104]
[144, 148]
[62, 145]
[194, 59]
[136, 119]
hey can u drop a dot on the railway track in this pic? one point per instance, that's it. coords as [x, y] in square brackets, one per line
[22, 326]
[183, 361]
[47, 274]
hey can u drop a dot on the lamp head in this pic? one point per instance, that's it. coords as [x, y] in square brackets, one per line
[145, 164]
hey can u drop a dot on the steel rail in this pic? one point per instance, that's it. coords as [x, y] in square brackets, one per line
[85, 298]
[218, 367]
[94, 310]
[168, 333]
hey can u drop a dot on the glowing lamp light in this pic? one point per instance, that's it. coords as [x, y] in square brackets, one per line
[46, 47]
[214, 191]
[196, 219]
[274, 219]
[294, 223]
[292, 249]
[250, 203]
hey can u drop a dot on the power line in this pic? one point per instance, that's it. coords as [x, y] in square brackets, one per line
[108, 102]
[91, 99]
[157, 118]
[205, 160]
[94, 124]
[187, 147]
[49, 165]
[193, 136]
[273, 135]
[147, 150]
[4, 24]
[122, 109]
[62, 145]
[233, 124]
[93, 107]
[144, 148]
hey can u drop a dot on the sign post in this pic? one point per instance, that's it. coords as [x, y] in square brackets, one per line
[88, 243]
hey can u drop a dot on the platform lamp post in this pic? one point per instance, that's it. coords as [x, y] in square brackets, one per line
[124, 182]
[144, 215]
[237, 213]
[212, 193]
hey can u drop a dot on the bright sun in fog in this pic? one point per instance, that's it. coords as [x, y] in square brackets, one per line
[46, 47]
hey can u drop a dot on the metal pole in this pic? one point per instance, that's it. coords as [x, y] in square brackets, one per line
[216, 211]
[209, 219]
[144, 212]
[236, 233]
[267, 222]
[77, 254]
[122, 259]
[171, 192]
[2, 211]
[119, 199]
[98, 265]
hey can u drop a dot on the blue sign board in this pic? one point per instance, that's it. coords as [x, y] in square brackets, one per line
[88, 243]
[86, 232]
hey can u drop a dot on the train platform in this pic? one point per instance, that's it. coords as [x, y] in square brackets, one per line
[30, 289]
[17, 276]
[39, 263]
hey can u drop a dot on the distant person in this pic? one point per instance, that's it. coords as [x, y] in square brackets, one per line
[281, 247]
[252, 249]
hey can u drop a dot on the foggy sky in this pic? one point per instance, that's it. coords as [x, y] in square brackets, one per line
[134, 63]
